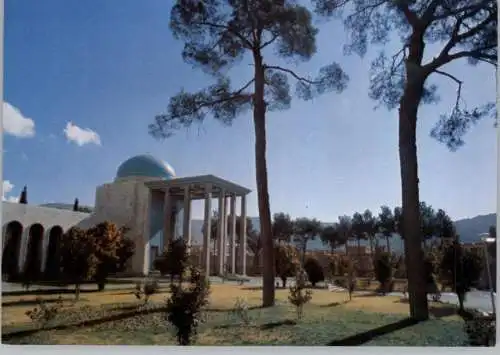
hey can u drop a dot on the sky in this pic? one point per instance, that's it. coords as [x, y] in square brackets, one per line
[83, 79]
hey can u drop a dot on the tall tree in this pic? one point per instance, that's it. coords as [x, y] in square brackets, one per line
[344, 228]
[24, 196]
[464, 30]
[369, 228]
[219, 34]
[306, 229]
[428, 223]
[78, 258]
[386, 225]
[282, 227]
[75, 205]
[358, 228]
[111, 248]
[254, 243]
[445, 229]
[492, 246]
[330, 236]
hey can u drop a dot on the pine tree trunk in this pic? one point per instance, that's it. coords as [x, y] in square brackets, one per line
[77, 292]
[388, 244]
[259, 118]
[409, 182]
[370, 238]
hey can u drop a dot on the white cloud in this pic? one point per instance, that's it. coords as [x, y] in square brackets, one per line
[15, 124]
[7, 188]
[81, 136]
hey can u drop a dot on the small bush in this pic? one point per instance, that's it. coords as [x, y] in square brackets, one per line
[240, 310]
[383, 271]
[174, 260]
[44, 313]
[146, 290]
[286, 259]
[461, 269]
[314, 271]
[185, 305]
[299, 296]
[481, 330]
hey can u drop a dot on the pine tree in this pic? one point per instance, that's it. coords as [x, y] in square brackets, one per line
[24, 196]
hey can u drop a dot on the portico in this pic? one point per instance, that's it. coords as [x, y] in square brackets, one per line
[167, 198]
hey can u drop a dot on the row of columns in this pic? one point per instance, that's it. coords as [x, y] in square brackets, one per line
[41, 239]
[222, 227]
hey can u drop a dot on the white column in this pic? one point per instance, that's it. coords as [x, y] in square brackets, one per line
[186, 226]
[23, 249]
[146, 236]
[208, 229]
[226, 218]
[221, 232]
[167, 220]
[233, 234]
[44, 249]
[243, 227]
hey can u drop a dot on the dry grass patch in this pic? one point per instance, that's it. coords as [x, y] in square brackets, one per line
[222, 297]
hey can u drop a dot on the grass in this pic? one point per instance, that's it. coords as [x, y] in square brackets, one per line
[329, 318]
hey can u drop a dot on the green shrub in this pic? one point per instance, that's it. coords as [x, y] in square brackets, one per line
[481, 330]
[174, 261]
[146, 290]
[44, 313]
[299, 296]
[185, 305]
[383, 271]
[461, 269]
[240, 310]
[314, 271]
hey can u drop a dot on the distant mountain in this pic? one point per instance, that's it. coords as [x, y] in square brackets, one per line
[468, 229]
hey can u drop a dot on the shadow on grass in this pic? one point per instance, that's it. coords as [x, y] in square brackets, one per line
[371, 294]
[265, 326]
[86, 323]
[441, 311]
[257, 288]
[45, 292]
[369, 335]
[272, 325]
[334, 304]
[36, 302]
[230, 309]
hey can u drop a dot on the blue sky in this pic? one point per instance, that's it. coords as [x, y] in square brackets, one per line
[110, 66]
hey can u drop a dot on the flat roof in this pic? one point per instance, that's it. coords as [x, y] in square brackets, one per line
[197, 186]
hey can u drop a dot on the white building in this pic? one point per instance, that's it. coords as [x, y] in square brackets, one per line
[143, 193]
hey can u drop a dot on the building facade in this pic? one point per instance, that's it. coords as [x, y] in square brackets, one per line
[145, 196]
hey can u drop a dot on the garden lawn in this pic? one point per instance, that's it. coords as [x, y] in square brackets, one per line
[329, 317]
[221, 297]
[321, 325]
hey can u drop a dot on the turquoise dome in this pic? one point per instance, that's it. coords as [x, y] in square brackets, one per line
[145, 166]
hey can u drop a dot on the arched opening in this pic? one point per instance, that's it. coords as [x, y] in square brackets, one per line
[52, 259]
[33, 263]
[12, 247]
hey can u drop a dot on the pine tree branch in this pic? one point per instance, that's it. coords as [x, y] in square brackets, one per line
[444, 57]
[293, 74]
[233, 96]
[459, 89]
[246, 43]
